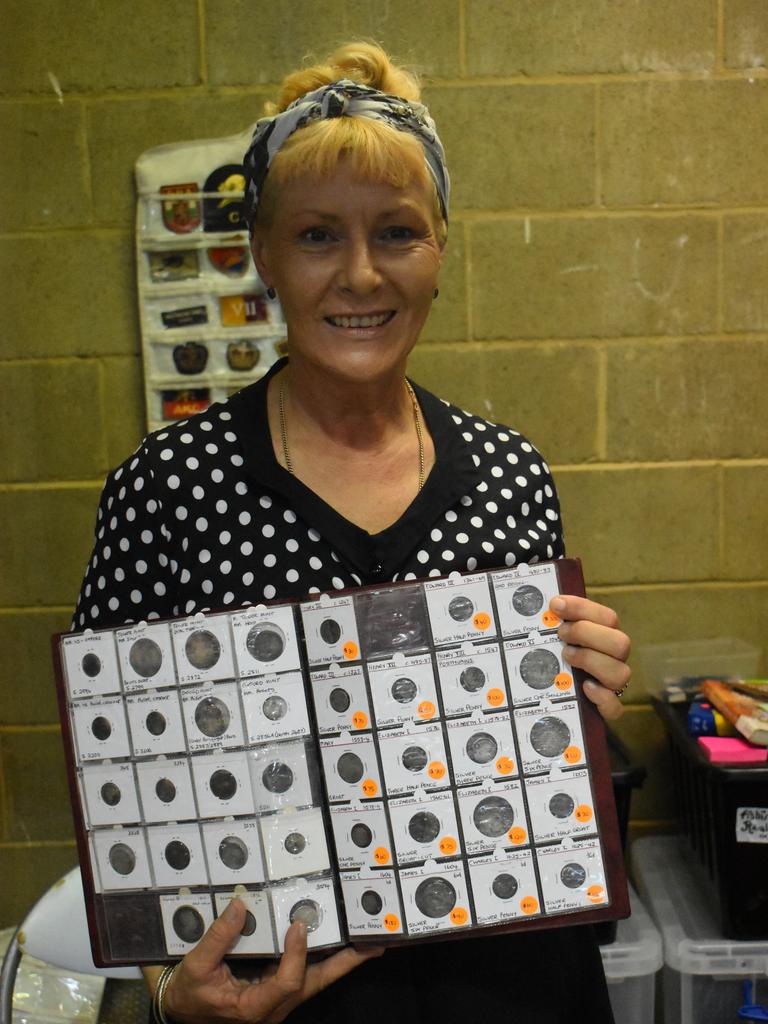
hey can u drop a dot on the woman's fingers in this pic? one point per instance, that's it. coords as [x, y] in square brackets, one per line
[606, 702]
[611, 642]
[609, 671]
[201, 962]
[572, 608]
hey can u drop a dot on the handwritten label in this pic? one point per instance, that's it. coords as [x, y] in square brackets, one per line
[752, 825]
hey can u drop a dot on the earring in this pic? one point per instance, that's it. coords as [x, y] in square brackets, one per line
[271, 293]
[435, 293]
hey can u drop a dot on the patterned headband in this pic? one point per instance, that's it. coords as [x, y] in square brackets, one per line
[339, 99]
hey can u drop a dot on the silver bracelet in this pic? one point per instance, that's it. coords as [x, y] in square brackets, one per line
[157, 1002]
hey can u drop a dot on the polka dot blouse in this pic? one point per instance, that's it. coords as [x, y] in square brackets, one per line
[203, 516]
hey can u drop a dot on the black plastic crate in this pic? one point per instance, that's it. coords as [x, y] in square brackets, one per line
[708, 797]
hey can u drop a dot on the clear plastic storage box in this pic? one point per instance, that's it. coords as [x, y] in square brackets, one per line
[631, 964]
[703, 972]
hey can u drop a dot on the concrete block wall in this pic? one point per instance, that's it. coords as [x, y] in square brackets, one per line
[604, 291]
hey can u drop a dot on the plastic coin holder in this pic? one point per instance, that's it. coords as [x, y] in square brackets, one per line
[536, 669]
[340, 699]
[177, 855]
[146, 656]
[403, 690]
[280, 776]
[549, 737]
[155, 721]
[265, 641]
[186, 918]
[424, 829]
[482, 748]
[311, 900]
[233, 850]
[203, 649]
[460, 609]
[257, 936]
[561, 807]
[523, 596]
[351, 767]
[101, 729]
[414, 758]
[110, 794]
[392, 621]
[504, 886]
[212, 716]
[573, 877]
[275, 707]
[121, 858]
[330, 630]
[435, 898]
[294, 843]
[361, 835]
[223, 784]
[471, 679]
[372, 904]
[166, 790]
[90, 664]
[493, 816]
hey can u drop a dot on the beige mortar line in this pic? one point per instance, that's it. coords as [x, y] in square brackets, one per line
[721, 272]
[31, 844]
[584, 341]
[601, 425]
[462, 38]
[31, 609]
[680, 585]
[202, 42]
[720, 38]
[721, 559]
[713, 463]
[15, 729]
[91, 230]
[49, 485]
[598, 199]
[84, 130]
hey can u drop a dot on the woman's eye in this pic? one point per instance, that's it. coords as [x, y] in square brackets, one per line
[316, 235]
[399, 233]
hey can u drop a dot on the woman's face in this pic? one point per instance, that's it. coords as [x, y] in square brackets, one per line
[355, 264]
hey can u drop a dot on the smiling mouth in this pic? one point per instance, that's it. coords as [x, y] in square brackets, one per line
[370, 320]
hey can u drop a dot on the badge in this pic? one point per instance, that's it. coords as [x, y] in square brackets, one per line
[225, 213]
[239, 310]
[177, 405]
[180, 215]
[173, 265]
[242, 355]
[231, 260]
[190, 357]
[186, 317]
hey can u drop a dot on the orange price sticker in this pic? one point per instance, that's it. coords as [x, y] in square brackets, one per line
[563, 681]
[370, 787]
[350, 650]
[448, 845]
[529, 905]
[596, 893]
[550, 619]
[459, 915]
[359, 719]
[481, 621]
[517, 835]
[392, 923]
[583, 813]
[426, 709]
[572, 754]
[436, 770]
[381, 855]
[495, 697]
[505, 766]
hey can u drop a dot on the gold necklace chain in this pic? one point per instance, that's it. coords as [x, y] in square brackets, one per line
[416, 420]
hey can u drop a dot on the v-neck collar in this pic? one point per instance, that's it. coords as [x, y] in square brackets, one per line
[373, 557]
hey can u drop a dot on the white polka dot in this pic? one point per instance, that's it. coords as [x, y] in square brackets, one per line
[270, 560]
[236, 460]
[492, 506]
[526, 447]
[130, 514]
[186, 439]
[121, 494]
[217, 476]
[535, 469]
[229, 436]
[174, 567]
[506, 493]
[265, 501]
[124, 543]
[162, 559]
[248, 578]
[482, 487]
[447, 556]
[166, 454]
[502, 436]
[119, 575]
[181, 513]
[550, 551]
[136, 596]
[106, 552]
[184, 543]
[114, 604]
[146, 536]
[185, 576]
[497, 471]
[119, 473]
[173, 482]
[512, 458]
[205, 425]
[225, 415]
[533, 535]
[462, 538]
[338, 583]
[422, 556]
[95, 609]
[204, 555]
[410, 576]
[159, 588]
[141, 566]
[225, 537]
[151, 506]
[436, 535]
[291, 544]
[479, 426]
[189, 607]
[192, 462]
[500, 534]
[268, 530]
[315, 562]
[221, 506]
[244, 518]
[246, 547]
[489, 447]
[334, 556]
[456, 419]
[289, 516]
[511, 522]
[313, 535]
[198, 492]
[476, 459]
[207, 587]
[291, 575]
[525, 544]
[450, 516]
[466, 501]
[101, 581]
[467, 436]
[138, 483]
[509, 558]
[548, 491]
[476, 521]
[241, 487]
[211, 448]
[269, 591]
[521, 481]
[225, 567]
[487, 546]
[229, 597]
[88, 590]
[161, 437]
[434, 572]
[538, 496]
[525, 508]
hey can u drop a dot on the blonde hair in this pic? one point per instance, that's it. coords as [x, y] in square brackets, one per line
[375, 150]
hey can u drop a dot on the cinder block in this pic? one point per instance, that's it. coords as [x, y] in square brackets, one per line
[246, 47]
[33, 869]
[593, 276]
[642, 525]
[746, 34]
[44, 181]
[541, 37]
[689, 142]
[98, 46]
[48, 537]
[125, 420]
[73, 294]
[745, 272]
[745, 555]
[532, 388]
[512, 146]
[26, 673]
[642, 731]
[448, 319]
[687, 400]
[35, 783]
[50, 421]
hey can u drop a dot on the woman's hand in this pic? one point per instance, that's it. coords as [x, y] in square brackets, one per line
[203, 989]
[596, 645]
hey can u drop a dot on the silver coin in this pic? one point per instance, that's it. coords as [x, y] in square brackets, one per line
[165, 790]
[527, 600]
[538, 668]
[188, 924]
[250, 924]
[361, 835]
[122, 858]
[274, 708]
[482, 747]
[504, 886]
[435, 897]
[295, 843]
[202, 649]
[350, 767]
[573, 876]
[415, 759]
[277, 777]
[145, 657]
[91, 665]
[223, 784]
[403, 690]
[371, 902]
[307, 911]
[330, 631]
[460, 608]
[339, 700]
[177, 855]
[212, 717]
[110, 794]
[265, 642]
[550, 736]
[472, 679]
[233, 853]
[561, 805]
[155, 723]
[424, 827]
[101, 727]
[493, 816]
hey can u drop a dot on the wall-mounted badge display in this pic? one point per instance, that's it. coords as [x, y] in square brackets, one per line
[471, 679]
[90, 663]
[239, 310]
[460, 609]
[361, 835]
[340, 698]
[372, 904]
[550, 738]
[181, 214]
[186, 918]
[155, 720]
[523, 596]
[179, 403]
[403, 690]
[435, 898]
[493, 815]
[243, 355]
[537, 669]
[173, 265]
[482, 748]
[190, 357]
[275, 707]
[110, 794]
[230, 260]
[414, 758]
[225, 212]
[424, 829]
[572, 877]
[312, 901]
[233, 849]
[257, 935]
[146, 658]
[561, 807]
[166, 790]
[504, 887]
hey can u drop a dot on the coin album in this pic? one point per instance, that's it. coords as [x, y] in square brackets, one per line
[403, 762]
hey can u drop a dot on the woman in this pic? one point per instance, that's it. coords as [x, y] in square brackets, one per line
[335, 471]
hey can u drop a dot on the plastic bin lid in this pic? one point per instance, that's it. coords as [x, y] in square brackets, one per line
[690, 935]
[637, 949]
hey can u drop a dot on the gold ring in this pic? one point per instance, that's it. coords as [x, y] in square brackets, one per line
[621, 689]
